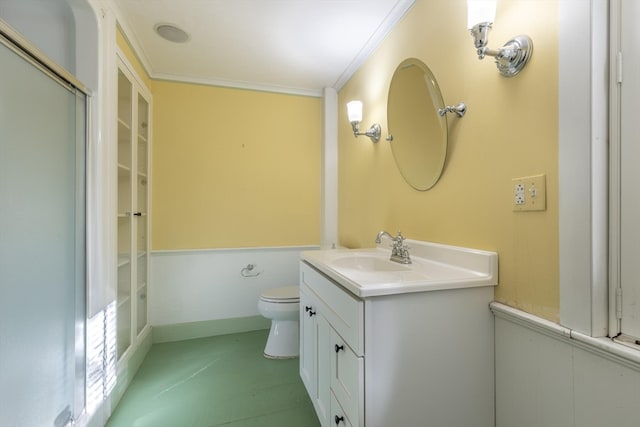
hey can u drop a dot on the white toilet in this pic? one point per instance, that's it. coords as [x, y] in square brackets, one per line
[282, 306]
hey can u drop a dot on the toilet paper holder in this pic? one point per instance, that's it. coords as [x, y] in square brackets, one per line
[248, 271]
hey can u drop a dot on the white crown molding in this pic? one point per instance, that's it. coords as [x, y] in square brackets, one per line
[235, 84]
[397, 13]
[131, 38]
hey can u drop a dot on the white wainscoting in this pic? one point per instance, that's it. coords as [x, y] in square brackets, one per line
[205, 285]
[550, 376]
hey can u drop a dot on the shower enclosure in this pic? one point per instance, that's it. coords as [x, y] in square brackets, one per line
[42, 241]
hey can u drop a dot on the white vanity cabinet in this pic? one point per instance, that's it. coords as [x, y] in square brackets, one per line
[402, 359]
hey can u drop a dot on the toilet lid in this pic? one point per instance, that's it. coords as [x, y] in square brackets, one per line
[281, 295]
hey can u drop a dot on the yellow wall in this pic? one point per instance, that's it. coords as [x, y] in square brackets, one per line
[234, 168]
[510, 130]
[231, 168]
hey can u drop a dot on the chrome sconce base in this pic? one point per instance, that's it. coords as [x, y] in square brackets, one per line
[510, 58]
[374, 131]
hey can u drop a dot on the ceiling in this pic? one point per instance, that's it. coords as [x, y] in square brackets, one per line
[289, 46]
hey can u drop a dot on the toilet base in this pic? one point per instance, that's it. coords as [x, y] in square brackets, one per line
[284, 340]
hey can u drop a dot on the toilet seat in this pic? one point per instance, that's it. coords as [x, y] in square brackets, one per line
[283, 295]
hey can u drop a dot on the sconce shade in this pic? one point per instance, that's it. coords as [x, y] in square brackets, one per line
[354, 110]
[480, 11]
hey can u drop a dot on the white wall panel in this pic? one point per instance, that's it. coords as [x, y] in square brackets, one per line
[606, 393]
[528, 365]
[194, 286]
[546, 378]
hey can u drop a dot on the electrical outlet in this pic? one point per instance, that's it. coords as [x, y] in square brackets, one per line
[529, 193]
[519, 198]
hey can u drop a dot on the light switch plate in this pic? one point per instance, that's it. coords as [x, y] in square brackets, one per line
[529, 193]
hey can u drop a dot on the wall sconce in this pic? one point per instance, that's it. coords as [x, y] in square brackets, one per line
[354, 110]
[510, 58]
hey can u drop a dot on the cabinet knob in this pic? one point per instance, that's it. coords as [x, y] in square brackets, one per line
[339, 347]
[338, 419]
[137, 213]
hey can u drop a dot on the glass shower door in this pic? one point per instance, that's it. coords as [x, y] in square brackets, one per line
[42, 245]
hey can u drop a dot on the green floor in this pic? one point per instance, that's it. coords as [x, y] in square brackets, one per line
[216, 381]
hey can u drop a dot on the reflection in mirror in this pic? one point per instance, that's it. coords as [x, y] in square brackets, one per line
[418, 133]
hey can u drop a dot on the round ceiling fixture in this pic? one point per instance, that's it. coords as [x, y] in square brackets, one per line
[172, 33]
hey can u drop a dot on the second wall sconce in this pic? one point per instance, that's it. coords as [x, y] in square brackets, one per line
[510, 58]
[354, 110]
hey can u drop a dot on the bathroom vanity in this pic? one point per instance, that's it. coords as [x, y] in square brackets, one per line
[386, 344]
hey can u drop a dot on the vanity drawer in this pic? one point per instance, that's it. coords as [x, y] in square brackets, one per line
[344, 312]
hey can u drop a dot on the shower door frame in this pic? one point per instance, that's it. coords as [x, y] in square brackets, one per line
[12, 40]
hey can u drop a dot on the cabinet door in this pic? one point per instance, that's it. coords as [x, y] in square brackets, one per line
[142, 223]
[315, 360]
[125, 203]
[308, 343]
[347, 378]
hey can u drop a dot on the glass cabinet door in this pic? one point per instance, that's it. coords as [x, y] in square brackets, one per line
[125, 165]
[142, 195]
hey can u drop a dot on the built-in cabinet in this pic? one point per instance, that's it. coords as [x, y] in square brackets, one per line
[405, 359]
[133, 136]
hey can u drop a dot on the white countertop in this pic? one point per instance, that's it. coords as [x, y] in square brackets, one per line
[368, 273]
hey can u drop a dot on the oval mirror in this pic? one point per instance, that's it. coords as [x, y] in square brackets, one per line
[418, 133]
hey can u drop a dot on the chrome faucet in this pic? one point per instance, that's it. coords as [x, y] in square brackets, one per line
[399, 250]
[381, 234]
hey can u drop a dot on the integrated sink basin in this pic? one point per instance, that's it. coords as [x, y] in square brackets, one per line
[364, 262]
[370, 272]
